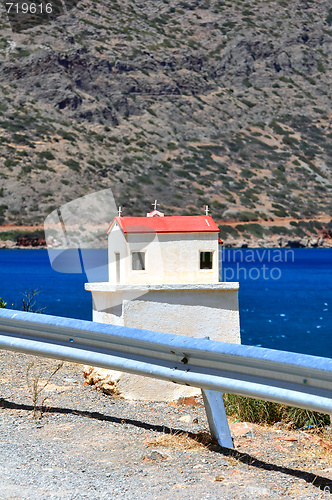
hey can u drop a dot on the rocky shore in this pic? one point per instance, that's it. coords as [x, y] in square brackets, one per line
[12, 236]
[242, 242]
[279, 242]
[23, 243]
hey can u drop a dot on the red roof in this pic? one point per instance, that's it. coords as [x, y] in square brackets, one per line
[167, 224]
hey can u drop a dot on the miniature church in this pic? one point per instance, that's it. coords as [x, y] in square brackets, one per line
[157, 250]
[164, 276]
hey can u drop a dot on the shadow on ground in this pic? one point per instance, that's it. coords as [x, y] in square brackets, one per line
[320, 482]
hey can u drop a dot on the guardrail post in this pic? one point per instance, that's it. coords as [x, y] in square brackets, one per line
[216, 415]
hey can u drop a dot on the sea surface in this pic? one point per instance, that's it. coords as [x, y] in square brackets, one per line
[285, 295]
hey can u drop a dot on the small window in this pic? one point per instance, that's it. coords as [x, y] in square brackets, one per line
[205, 260]
[117, 266]
[138, 262]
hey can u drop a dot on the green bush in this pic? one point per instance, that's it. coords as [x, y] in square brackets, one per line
[21, 139]
[279, 230]
[22, 53]
[279, 210]
[248, 103]
[151, 111]
[10, 162]
[68, 136]
[299, 232]
[2, 303]
[144, 179]
[247, 173]
[73, 164]
[245, 216]
[289, 141]
[3, 209]
[226, 231]
[258, 411]
[217, 205]
[277, 128]
[252, 228]
[48, 155]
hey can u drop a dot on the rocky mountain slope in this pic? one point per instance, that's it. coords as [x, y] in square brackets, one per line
[225, 103]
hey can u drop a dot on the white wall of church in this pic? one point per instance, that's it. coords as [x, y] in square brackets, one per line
[169, 257]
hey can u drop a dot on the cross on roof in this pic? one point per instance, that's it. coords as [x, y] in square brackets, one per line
[120, 211]
[155, 204]
[206, 209]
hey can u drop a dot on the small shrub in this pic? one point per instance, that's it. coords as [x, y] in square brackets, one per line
[279, 210]
[259, 411]
[328, 19]
[3, 209]
[245, 216]
[73, 164]
[226, 231]
[255, 229]
[246, 82]
[289, 141]
[22, 53]
[248, 103]
[35, 385]
[48, 155]
[67, 135]
[245, 172]
[28, 301]
[10, 162]
[144, 179]
[279, 230]
[153, 113]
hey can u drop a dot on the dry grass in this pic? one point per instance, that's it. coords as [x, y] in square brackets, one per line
[267, 412]
[319, 446]
[35, 382]
[317, 455]
[183, 441]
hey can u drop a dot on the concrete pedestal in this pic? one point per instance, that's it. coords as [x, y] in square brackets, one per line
[195, 310]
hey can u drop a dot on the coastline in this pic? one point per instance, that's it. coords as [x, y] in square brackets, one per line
[12, 245]
[32, 237]
[276, 241]
[280, 242]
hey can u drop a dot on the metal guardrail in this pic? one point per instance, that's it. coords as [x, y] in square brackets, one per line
[289, 378]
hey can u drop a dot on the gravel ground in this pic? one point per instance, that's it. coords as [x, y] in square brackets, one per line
[86, 444]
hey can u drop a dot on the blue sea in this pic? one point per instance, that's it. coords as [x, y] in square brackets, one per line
[285, 295]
